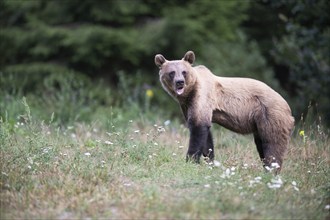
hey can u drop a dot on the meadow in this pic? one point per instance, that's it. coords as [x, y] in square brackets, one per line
[87, 132]
[132, 166]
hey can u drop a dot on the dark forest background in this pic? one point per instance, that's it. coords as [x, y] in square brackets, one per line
[73, 56]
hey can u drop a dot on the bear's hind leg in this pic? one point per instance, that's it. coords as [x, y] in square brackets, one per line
[273, 157]
[258, 142]
[270, 154]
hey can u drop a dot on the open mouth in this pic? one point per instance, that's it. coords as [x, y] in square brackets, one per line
[179, 89]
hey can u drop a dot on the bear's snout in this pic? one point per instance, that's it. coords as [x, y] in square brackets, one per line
[179, 86]
[179, 83]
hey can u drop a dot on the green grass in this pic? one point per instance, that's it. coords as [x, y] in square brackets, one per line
[136, 169]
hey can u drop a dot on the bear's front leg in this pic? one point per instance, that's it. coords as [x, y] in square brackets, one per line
[208, 150]
[199, 135]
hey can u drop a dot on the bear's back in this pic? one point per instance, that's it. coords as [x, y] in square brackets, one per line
[236, 87]
[241, 99]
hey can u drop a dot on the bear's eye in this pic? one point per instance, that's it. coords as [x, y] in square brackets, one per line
[184, 73]
[171, 74]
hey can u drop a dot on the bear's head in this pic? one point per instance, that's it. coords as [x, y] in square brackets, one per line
[177, 76]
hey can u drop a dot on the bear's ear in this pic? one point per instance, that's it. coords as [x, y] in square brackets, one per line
[189, 57]
[159, 60]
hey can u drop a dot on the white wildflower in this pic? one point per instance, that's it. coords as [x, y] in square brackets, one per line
[327, 207]
[180, 147]
[174, 154]
[136, 131]
[258, 178]
[127, 184]
[216, 163]
[30, 160]
[45, 150]
[272, 167]
[294, 184]
[268, 168]
[108, 142]
[275, 165]
[207, 185]
[156, 144]
[245, 166]
[273, 186]
[160, 129]
[277, 180]
[167, 122]
[87, 154]
[275, 183]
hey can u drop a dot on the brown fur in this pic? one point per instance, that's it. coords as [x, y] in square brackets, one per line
[242, 105]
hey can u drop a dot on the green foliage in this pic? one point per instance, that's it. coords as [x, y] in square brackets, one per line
[109, 36]
[70, 96]
[305, 50]
[294, 37]
[240, 58]
[201, 22]
[284, 43]
[50, 90]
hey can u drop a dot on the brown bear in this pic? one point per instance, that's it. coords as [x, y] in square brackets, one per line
[242, 105]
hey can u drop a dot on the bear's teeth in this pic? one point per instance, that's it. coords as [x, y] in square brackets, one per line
[179, 91]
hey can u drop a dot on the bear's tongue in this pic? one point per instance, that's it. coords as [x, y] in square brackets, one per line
[179, 90]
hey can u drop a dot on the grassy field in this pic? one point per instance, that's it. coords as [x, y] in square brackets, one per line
[136, 169]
